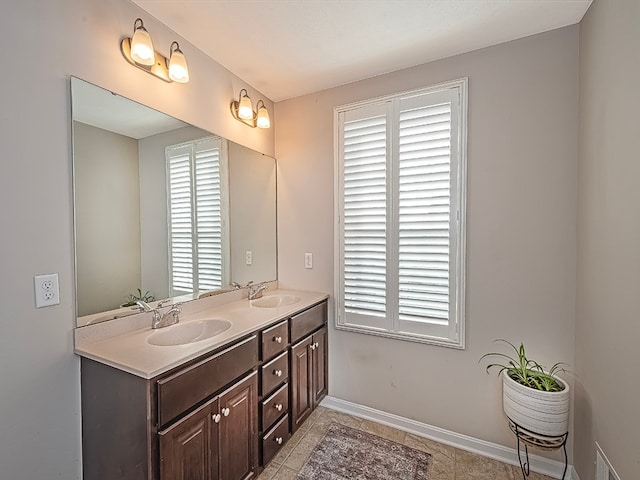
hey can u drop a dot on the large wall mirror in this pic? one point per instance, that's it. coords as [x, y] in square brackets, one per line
[163, 209]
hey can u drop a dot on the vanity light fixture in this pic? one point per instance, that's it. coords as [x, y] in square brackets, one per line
[242, 110]
[138, 51]
[141, 45]
[178, 71]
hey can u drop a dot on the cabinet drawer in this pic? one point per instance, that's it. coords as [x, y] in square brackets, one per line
[183, 389]
[275, 372]
[307, 321]
[274, 340]
[275, 406]
[273, 440]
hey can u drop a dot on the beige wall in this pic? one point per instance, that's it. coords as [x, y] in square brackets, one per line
[252, 215]
[49, 40]
[107, 206]
[522, 189]
[608, 300]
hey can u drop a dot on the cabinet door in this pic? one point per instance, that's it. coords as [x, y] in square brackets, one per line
[238, 430]
[301, 379]
[186, 448]
[320, 369]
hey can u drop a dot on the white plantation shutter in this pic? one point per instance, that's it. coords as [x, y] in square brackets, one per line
[197, 216]
[181, 254]
[208, 201]
[365, 205]
[401, 198]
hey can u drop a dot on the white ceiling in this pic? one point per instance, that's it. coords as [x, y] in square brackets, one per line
[101, 108]
[287, 48]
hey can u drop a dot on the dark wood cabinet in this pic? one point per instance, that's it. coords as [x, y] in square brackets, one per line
[221, 416]
[217, 441]
[238, 432]
[319, 365]
[189, 448]
[308, 376]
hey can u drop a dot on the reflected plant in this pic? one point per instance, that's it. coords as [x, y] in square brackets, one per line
[132, 298]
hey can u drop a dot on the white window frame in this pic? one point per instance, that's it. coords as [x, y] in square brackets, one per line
[453, 333]
[191, 148]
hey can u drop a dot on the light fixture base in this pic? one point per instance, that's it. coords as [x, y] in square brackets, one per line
[158, 69]
[235, 105]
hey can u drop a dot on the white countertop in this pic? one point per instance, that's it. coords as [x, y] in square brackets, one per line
[123, 343]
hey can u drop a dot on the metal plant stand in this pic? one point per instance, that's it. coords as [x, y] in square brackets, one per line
[544, 442]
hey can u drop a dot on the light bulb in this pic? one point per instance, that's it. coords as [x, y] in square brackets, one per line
[245, 109]
[178, 70]
[263, 120]
[141, 45]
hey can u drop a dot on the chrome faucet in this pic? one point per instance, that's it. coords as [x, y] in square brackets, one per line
[255, 291]
[160, 320]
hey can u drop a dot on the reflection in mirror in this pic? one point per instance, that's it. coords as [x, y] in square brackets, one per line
[163, 209]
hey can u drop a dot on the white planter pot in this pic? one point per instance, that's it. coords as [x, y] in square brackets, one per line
[544, 413]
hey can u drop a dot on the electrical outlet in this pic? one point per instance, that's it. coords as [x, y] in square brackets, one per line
[248, 257]
[308, 260]
[46, 290]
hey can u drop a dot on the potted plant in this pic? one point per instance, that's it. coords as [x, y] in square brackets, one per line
[533, 398]
[132, 298]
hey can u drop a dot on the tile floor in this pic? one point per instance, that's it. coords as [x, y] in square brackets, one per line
[449, 463]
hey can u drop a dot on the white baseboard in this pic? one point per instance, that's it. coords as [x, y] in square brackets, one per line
[545, 466]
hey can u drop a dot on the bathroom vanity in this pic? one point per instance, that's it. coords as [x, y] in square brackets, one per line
[218, 408]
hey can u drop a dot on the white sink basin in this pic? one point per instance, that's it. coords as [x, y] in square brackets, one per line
[190, 332]
[273, 301]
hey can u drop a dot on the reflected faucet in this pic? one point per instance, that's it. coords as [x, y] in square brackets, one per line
[160, 320]
[255, 291]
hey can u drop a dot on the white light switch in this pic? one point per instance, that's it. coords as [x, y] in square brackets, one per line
[46, 290]
[308, 260]
[248, 257]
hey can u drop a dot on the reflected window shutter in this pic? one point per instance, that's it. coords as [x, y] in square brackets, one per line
[364, 216]
[423, 213]
[180, 220]
[208, 217]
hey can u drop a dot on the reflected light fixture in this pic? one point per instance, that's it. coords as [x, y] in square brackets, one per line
[242, 110]
[138, 51]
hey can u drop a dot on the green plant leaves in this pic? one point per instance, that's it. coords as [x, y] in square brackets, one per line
[524, 370]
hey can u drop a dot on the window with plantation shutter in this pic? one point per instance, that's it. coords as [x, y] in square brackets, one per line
[197, 210]
[401, 195]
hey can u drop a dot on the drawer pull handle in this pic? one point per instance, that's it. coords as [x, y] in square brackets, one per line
[225, 412]
[277, 373]
[277, 339]
[216, 417]
[278, 440]
[278, 407]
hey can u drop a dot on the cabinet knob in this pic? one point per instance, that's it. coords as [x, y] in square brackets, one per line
[225, 412]
[216, 417]
[312, 346]
[278, 440]
[316, 345]
[277, 339]
[278, 407]
[277, 373]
